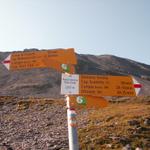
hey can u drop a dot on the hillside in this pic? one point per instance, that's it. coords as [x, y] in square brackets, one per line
[46, 82]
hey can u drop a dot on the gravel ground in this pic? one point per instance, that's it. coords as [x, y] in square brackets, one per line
[40, 127]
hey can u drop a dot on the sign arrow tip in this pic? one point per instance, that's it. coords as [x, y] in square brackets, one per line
[6, 62]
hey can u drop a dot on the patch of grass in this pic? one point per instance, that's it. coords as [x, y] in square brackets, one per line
[109, 128]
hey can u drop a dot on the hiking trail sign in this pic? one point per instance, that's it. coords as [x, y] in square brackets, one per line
[41, 59]
[96, 85]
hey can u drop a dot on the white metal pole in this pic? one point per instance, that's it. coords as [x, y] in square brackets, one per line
[72, 127]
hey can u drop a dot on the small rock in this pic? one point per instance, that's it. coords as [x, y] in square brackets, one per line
[147, 122]
[124, 140]
[133, 122]
[109, 118]
[55, 147]
[8, 147]
[142, 129]
[127, 147]
[138, 148]
[49, 124]
[109, 145]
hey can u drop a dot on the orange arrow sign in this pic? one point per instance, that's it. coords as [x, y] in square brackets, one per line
[87, 102]
[97, 85]
[36, 59]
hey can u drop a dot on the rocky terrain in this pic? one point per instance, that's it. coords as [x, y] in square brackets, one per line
[41, 124]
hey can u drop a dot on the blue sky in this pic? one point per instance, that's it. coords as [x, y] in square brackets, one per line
[117, 27]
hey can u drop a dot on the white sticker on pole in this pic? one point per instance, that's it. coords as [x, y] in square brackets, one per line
[70, 84]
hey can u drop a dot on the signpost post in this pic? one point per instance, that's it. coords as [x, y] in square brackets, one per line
[72, 126]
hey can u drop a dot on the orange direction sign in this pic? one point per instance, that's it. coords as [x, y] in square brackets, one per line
[97, 85]
[36, 59]
[87, 102]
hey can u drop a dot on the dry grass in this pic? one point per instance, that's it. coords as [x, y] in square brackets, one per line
[109, 128]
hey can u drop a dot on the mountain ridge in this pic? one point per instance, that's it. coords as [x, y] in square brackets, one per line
[46, 82]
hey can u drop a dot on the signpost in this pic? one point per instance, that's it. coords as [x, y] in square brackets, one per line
[97, 85]
[82, 91]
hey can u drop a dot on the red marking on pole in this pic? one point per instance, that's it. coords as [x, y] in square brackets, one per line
[73, 125]
[6, 61]
[71, 108]
[137, 85]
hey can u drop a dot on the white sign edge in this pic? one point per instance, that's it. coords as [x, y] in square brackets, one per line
[7, 65]
[137, 89]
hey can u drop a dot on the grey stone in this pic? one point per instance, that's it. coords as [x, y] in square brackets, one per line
[147, 122]
[127, 147]
[138, 148]
[133, 122]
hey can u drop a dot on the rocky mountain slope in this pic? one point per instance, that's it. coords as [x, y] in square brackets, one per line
[46, 82]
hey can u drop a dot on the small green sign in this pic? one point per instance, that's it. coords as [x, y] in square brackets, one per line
[81, 100]
[65, 68]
